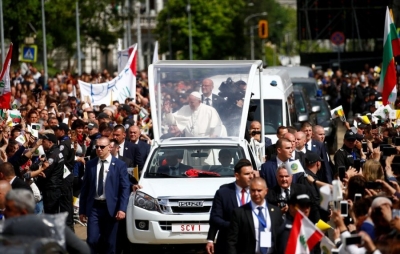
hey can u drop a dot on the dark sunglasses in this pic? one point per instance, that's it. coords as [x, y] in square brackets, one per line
[101, 147]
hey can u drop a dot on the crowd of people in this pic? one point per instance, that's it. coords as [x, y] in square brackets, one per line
[80, 145]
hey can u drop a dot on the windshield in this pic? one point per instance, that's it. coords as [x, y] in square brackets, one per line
[300, 103]
[199, 100]
[324, 112]
[310, 88]
[189, 161]
[273, 114]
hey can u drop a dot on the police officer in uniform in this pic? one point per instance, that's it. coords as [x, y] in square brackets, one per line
[53, 171]
[346, 155]
[126, 113]
[94, 134]
[66, 148]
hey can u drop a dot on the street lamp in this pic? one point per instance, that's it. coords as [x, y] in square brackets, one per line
[190, 31]
[44, 44]
[254, 15]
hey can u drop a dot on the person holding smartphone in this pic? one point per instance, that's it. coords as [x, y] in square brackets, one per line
[346, 155]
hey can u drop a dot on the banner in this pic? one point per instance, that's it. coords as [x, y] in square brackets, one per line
[121, 87]
[5, 88]
[123, 57]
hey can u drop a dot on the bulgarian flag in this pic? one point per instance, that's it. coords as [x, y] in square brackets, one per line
[5, 88]
[391, 48]
[303, 236]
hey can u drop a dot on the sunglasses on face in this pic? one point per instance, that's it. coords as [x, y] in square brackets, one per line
[101, 147]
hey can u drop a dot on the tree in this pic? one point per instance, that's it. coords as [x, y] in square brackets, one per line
[217, 31]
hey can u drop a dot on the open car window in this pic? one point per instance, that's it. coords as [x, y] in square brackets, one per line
[189, 161]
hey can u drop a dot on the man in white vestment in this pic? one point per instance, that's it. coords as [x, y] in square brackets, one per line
[195, 119]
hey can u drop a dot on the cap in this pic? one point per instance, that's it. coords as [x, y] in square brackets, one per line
[301, 200]
[196, 94]
[50, 137]
[360, 125]
[127, 108]
[103, 116]
[312, 157]
[62, 126]
[350, 135]
[377, 202]
[359, 137]
[92, 125]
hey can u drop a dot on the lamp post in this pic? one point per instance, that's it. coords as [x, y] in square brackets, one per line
[190, 31]
[251, 30]
[44, 44]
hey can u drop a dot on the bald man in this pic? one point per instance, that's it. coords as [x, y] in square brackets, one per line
[5, 186]
[134, 137]
[209, 98]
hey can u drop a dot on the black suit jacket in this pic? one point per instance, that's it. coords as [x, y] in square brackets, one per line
[144, 150]
[270, 151]
[20, 184]
[217, 102]
[182, 169]
[295, 189]
[326, 171]
[131, 151]
[241, 236]
[224, 202]
[129, 164]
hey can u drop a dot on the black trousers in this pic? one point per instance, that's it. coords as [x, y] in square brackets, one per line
[66, 204]
[51, 200]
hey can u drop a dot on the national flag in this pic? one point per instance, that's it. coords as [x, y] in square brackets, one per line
[327, 245]
[365, 119]
[391, 48]
[325, 197]
[338, 112]
[303, 235]
[294, 167]
[121, 87]
[322, 225]
[155, 54]
[5, 88]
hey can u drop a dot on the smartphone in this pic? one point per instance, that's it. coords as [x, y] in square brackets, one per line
[342, 172]
[344, 208]
[397, 141]
[357, 164]
[335, 251]
[387, 151]
[364, 147]
[357, 197]
[353, 239]
[373, 185]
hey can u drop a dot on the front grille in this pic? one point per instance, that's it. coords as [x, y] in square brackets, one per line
[167, 225]
[204, 209]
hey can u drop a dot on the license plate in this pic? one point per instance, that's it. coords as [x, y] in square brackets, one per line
[187, 228]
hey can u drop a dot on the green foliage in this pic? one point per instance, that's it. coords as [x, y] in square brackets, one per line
[217, 31]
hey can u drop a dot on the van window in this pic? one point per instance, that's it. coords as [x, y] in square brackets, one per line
[273, 114]
[300, 104]
[176, 161]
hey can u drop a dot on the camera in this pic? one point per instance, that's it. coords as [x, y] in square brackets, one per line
[255, 133]
[282, 202]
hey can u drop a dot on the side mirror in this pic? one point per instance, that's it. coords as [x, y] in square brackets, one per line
[315, 109]
[327, 97]
[302, 118]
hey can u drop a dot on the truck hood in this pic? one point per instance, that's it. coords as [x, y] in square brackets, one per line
[183, 187]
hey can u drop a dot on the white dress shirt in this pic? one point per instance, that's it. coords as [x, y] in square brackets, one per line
[106, 168]
[283, 194]
[121, 149]
[302, 150]
[12, 180]
[279, 162]
[309, 145]
[256, 222]
[238, 191]
[294, 154]
[205, 100]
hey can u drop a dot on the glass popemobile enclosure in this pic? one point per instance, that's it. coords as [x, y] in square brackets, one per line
[199, 111]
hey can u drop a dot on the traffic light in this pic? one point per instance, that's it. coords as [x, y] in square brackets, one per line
[263, 29]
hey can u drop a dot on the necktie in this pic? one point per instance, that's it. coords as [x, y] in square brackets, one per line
[242, 200]
[100, 179]
[174, 171]
[287, 194]
[306, 146]
[262, 224]
[208, 101]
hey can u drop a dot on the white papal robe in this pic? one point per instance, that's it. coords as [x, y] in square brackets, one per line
[202, 122]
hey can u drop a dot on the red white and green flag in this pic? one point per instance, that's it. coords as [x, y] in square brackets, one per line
[391, 48]
[5, 88]
[303, 236]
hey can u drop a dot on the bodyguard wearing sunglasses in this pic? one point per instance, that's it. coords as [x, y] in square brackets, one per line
[104, 198]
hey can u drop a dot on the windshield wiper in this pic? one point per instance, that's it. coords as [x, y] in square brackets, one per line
[158, 174]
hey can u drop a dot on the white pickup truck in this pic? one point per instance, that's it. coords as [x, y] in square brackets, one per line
[184, 170]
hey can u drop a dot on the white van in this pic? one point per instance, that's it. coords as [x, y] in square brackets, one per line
[278, 101]
[173, 207]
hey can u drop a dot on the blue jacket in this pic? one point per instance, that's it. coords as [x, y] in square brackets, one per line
[326, 171]
[268, 172]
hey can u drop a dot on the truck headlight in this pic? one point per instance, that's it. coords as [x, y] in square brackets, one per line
[147, 202]
[328, 131]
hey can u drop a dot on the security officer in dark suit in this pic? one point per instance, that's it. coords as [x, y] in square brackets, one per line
[66, 148]
[53, 170]
[346, 155]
